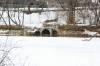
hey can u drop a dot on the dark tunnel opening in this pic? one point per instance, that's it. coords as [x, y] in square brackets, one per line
[54, 33]
[37, 33]
[45, 32]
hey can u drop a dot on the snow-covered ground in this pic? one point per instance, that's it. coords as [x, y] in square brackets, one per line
[52, 51]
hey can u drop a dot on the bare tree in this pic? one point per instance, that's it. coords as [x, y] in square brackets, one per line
[5, 60]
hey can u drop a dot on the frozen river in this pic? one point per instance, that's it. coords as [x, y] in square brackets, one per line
[58, 51]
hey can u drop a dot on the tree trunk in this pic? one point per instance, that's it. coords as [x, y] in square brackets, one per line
[71, 17]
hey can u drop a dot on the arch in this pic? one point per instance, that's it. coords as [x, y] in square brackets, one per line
[37, 33]
[54, 33]
[45, 32]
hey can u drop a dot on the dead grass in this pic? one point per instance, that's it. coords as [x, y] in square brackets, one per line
[11, 27]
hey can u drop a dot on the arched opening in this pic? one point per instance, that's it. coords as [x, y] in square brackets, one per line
[54, 33]
[45, 32]
[37, 33]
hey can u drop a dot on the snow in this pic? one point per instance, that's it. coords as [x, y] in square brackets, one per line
[91, 33]
[31, 20]
[34, 19]
[52, 51]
